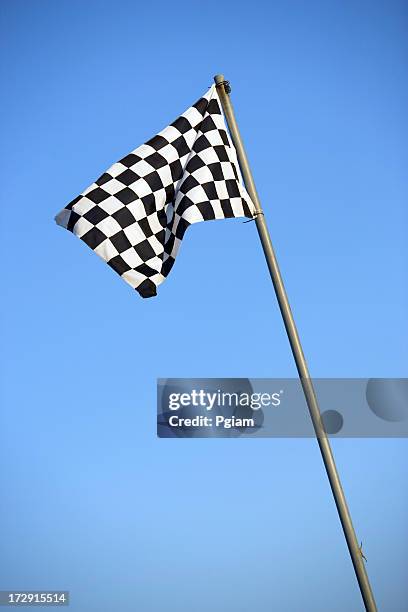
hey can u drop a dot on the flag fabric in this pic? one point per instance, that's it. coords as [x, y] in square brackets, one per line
[135, 215]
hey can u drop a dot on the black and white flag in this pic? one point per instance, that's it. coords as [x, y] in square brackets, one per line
[135, 215]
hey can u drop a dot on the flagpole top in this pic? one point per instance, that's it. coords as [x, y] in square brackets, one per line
[220, 80]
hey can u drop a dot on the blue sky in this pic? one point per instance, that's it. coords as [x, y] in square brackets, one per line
[92, 502]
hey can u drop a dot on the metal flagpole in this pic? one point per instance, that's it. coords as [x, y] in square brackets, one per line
[307, 385]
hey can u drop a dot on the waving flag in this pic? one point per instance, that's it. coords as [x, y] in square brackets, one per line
[135, 215]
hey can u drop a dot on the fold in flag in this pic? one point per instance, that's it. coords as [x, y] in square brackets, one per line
[135, 215]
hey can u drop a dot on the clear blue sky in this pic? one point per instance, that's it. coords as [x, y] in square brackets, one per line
[91, 500]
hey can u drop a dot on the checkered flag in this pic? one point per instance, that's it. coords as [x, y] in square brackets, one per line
[135, 215]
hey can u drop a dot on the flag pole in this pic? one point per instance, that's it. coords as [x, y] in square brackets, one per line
[223, 89]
